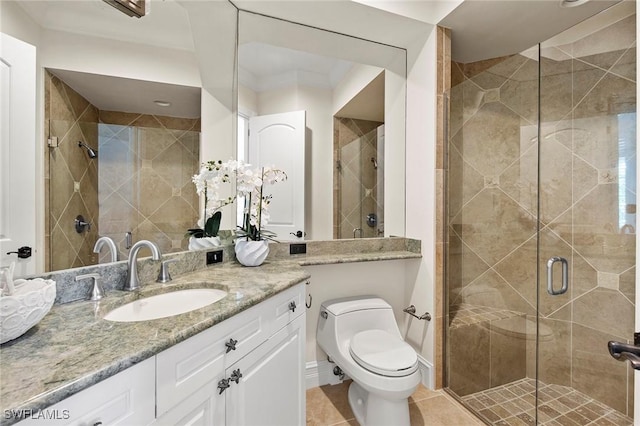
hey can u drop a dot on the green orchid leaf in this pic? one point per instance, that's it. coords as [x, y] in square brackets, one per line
[212, 226]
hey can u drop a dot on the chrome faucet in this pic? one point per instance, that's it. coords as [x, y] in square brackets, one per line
[132, 277]
[109, 243]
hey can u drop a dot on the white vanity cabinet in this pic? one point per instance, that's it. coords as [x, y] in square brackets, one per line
[187, 383]
[246, 370]
[127, 398]
[270, 388]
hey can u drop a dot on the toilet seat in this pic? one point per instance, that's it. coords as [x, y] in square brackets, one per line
[383, 353]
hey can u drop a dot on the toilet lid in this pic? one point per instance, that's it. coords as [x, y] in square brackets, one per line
[383, 353]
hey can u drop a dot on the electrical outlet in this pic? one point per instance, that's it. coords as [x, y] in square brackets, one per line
[214, 257]
[299, 248]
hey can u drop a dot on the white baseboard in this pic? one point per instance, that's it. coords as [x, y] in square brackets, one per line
[426, 369]
[320, 373]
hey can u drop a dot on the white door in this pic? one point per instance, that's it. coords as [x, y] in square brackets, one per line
[278, 140]
[270, 388]
[17, 152]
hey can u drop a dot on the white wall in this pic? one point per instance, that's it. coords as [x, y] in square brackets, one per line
[384, 279]
[421, 187]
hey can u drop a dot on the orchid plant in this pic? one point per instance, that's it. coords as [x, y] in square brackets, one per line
[250, 186]
[208, 181]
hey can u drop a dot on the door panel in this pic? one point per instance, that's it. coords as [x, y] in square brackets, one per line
[17, 152]
[587, 187]
[278, 140]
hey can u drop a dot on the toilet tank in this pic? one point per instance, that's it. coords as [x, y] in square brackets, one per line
[341, 318]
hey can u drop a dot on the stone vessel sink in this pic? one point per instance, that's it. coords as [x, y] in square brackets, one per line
[165, 305]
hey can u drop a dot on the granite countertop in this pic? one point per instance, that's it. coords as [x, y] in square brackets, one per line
[73, 348]
[331, 259]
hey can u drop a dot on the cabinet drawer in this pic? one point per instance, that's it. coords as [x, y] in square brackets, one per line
[201, 359]
[128, 398]
[285, 307]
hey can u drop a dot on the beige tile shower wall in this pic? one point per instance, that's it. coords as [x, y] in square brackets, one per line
[71, 176]
[587, 204]
[146, 167]
[355, 187]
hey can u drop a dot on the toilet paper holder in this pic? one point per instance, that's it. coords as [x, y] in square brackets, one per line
[411, 310]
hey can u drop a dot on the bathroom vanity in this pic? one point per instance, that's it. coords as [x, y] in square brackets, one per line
[240, 360]
[201, 367]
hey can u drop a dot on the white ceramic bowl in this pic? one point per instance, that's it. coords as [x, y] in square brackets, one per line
[30, 302]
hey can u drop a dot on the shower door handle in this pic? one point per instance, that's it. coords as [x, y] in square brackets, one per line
[565, 275]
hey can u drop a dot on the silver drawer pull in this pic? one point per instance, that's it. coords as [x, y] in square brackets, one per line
[565, 275]
[223, 385]
[231, 345]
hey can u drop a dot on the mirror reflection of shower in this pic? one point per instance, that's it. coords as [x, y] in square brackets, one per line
[360, 178]
[90, 151]
[359, 164]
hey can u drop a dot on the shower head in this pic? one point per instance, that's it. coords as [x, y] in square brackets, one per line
[92, 153]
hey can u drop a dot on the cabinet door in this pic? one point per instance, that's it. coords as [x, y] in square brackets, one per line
[271, 389]
[205, 407]
[128, 398]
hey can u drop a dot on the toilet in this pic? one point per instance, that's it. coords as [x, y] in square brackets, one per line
[361, 336]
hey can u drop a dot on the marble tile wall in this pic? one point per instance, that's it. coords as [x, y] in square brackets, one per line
[356, 176]
[140, 181]
[146, 165]
[71, 176]
[586, 201]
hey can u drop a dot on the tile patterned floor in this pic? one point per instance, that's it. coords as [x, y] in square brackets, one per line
[328, 406]
[514, 404]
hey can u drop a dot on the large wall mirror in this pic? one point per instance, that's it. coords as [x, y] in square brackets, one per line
[352, 95]
[132, 170]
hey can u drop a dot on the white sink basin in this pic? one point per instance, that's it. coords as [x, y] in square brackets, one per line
[165, 305]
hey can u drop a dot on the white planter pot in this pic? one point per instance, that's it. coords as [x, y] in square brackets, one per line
[203, 243]
[251, 253]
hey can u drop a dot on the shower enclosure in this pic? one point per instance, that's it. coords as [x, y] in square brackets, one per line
[541, 217]
[359, 178]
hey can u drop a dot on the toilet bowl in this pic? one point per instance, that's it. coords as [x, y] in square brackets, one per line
[361, 336]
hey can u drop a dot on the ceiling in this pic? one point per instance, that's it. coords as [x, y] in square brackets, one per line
[481, 29]
[266, 67]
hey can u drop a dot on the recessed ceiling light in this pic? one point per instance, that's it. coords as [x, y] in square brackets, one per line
[572, 3]
[162, 103]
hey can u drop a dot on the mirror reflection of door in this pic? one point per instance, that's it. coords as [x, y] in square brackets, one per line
[17, 151]
[278, 140]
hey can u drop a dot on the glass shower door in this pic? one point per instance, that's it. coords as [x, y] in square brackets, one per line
[587, 205]
[541, 205]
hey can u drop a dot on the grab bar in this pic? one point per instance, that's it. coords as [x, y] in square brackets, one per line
[565, 275]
